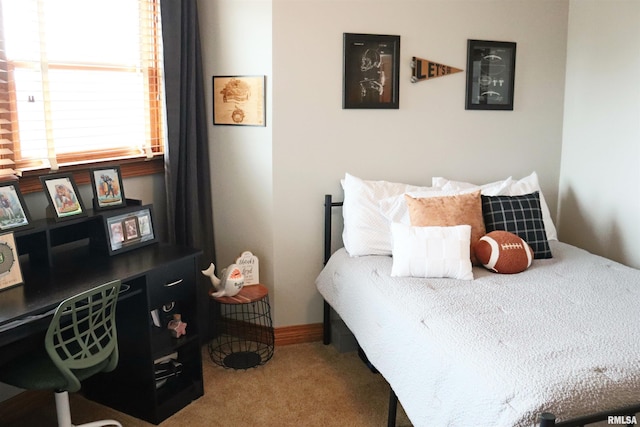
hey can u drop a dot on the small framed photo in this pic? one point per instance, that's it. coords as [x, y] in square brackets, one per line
[10, 272]
[129, 228]
[108, 191]
[13, 211]
[63, 196]
[239, 100]
[371, 71]
[491, 69]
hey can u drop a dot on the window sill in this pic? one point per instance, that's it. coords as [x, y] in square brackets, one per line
[30, 180]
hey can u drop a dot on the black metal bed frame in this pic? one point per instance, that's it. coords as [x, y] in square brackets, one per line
[546, 419]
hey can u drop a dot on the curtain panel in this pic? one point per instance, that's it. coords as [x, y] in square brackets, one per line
[188, 182]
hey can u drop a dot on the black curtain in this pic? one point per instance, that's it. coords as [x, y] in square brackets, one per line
[188, 182]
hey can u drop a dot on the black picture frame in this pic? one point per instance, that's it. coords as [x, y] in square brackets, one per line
[491, 69]
[65, 202]
[371, 71]
[107, 187]
[14, 213]
[128, 228]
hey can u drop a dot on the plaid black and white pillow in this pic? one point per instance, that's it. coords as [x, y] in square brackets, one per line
[520, 215]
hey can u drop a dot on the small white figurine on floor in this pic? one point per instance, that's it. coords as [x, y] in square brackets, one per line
[230, 284]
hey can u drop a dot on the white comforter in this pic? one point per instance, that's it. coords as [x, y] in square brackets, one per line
[561, 337]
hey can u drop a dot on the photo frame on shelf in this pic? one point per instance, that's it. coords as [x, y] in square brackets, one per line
[490, 75]
[239, 100]
[108, 191]
[63, 196]
[10, 272]
[371, 71]
[129, 228]
[14, 214]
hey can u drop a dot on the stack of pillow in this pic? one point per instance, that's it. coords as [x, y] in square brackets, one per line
[431, 231]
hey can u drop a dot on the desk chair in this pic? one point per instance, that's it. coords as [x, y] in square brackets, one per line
[80, 342]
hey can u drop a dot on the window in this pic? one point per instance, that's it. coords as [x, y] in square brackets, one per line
[80, 82]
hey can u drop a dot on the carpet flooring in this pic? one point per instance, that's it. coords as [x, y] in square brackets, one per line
[306, 384]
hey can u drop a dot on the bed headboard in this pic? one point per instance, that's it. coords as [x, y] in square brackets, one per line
[328, 205]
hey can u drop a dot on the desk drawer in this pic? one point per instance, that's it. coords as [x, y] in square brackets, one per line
[172, 282]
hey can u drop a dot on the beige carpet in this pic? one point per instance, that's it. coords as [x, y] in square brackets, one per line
[302, 385]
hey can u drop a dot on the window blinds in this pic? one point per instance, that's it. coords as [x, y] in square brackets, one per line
[80, 81]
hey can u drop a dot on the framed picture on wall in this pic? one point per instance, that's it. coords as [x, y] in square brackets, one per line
[108, 191]
[239, 100]
[13, 210]
[62, 194]
[371, 71]
[491, 69]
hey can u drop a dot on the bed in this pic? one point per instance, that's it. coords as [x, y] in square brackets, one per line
[559, 340]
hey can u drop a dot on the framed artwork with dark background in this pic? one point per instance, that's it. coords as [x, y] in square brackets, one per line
[371, 71]
[491, 69]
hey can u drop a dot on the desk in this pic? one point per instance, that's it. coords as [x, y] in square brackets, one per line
[147, 275]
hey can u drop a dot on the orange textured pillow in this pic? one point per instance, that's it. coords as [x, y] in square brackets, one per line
[459, 209]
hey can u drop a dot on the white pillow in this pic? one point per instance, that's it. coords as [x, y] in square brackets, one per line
[431, 251]
[507, 187]
[394, 208]
[498, 188]
[366, 231]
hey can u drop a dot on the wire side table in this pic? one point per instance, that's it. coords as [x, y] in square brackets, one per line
[244, 331]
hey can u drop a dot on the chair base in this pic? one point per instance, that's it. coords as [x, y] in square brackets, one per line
[63, 411]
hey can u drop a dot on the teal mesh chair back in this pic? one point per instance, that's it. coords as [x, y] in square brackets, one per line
[81, 339]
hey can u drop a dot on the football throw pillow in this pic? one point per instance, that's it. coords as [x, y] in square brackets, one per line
[503, 252]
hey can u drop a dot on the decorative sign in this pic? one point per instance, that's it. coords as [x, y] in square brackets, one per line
[248, 263]
[423, 69]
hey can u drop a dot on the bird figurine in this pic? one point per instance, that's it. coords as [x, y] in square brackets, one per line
[231, 282]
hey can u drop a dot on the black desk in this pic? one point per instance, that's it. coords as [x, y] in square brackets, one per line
[152, 276]
[74, 271]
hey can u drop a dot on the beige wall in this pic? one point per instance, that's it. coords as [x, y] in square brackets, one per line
[236, 40]
[310, 141]
[600, 174]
